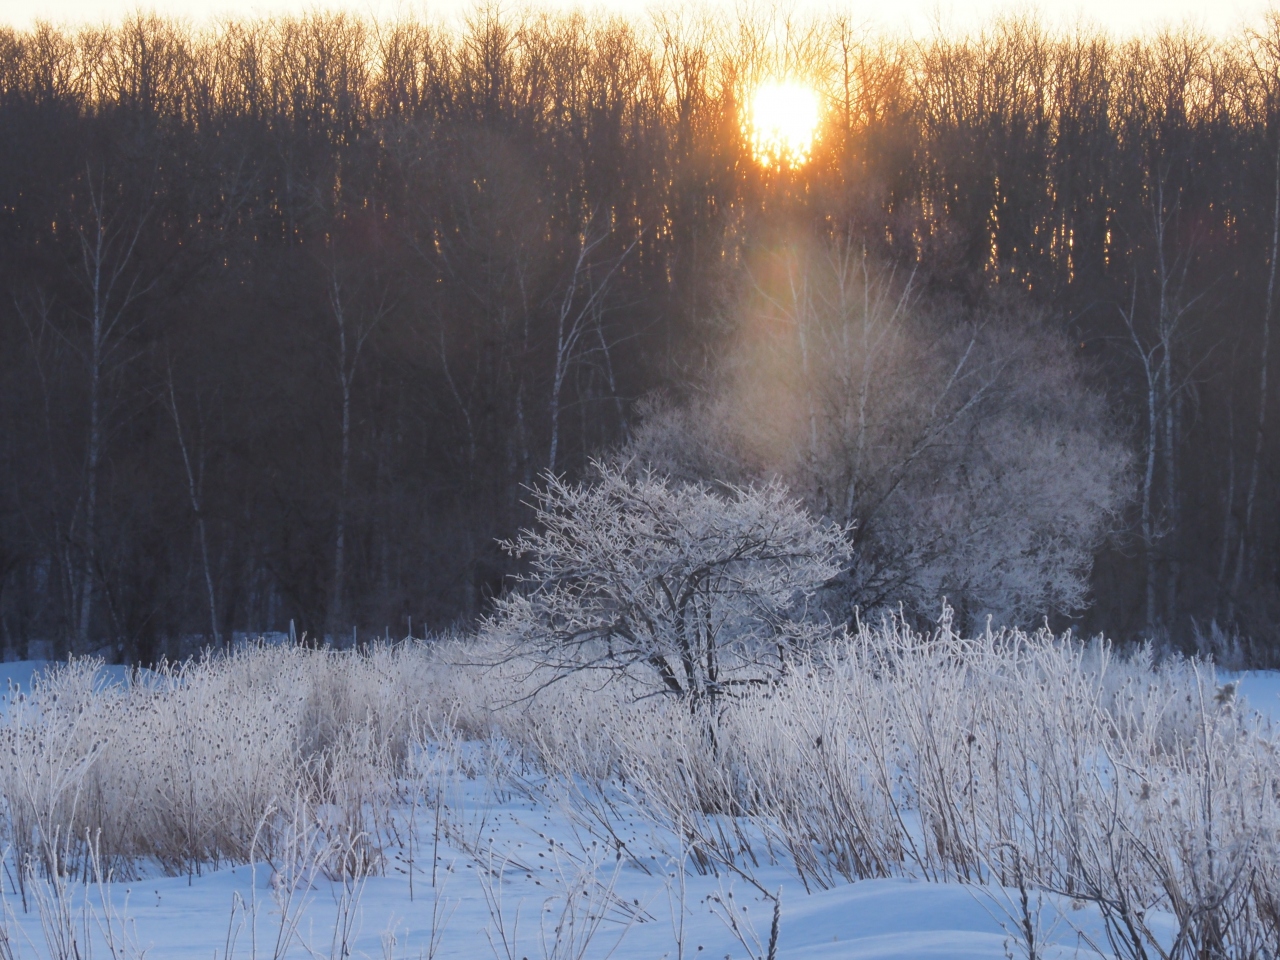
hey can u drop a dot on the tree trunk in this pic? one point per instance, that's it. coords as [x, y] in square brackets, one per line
[1260, 422]
[92, 459]
[195, 493]
[340, 536]
[345, 371]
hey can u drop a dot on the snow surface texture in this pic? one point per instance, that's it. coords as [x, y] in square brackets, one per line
[16, 676]
[235, 797]
[540, 853]
[1261, 688]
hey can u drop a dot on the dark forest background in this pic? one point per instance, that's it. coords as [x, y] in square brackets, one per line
[291, 311]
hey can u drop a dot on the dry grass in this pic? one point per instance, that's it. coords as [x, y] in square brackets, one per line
[1027, 760]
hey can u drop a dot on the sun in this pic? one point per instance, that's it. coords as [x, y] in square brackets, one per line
[781, 120]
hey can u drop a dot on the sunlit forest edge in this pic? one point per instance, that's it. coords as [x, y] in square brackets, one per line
[297, 311]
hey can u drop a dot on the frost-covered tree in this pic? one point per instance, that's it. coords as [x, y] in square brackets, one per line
[966, 452]
[697, 589]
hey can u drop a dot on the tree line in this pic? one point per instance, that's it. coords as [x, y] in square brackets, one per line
[293, 312]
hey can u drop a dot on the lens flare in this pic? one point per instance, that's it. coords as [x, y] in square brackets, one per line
[781, 121]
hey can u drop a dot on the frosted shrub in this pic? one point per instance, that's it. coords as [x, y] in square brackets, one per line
[48, 746]
[692, 590]
[966, 451]
[191, 764]
[1011, 758]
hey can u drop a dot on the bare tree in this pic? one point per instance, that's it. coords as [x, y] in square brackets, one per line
[1157, 339]
[194, 467]
[578, 314]
[968, 458]
[353, 333]
[1263, 62]
[43, 342]
[108, 273]
[699, 588]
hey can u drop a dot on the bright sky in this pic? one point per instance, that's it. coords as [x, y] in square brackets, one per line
[1122, 16]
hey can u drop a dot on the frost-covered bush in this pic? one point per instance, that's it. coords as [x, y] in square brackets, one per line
[702, 590]
[968, 454]
[195, 763]
[1020, 759]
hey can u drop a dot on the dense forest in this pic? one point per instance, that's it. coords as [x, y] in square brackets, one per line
[293, 312]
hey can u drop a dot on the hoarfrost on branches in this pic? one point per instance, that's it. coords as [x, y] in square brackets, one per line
[968, 454]
[701, 589]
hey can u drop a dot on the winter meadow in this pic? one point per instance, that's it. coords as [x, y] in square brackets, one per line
[544, 485]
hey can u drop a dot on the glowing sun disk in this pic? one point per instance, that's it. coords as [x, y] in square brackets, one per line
[781, 120]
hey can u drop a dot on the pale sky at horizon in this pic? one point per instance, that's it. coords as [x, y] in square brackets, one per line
[916, 16]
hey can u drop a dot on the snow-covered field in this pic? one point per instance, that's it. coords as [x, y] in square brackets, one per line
[495, 840]
[1261, 688]
[539, 855]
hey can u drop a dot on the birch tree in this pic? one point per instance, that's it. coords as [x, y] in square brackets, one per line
[193, 466]
[1157, 320]
[578, 314]
[354, 326]
[112, 284]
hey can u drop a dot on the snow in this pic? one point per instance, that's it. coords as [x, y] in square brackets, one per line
[893, 919]
[872, 919]
[881, 919]
[16, 677]
[537, 846]
[1262, 690]
[18, 674]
